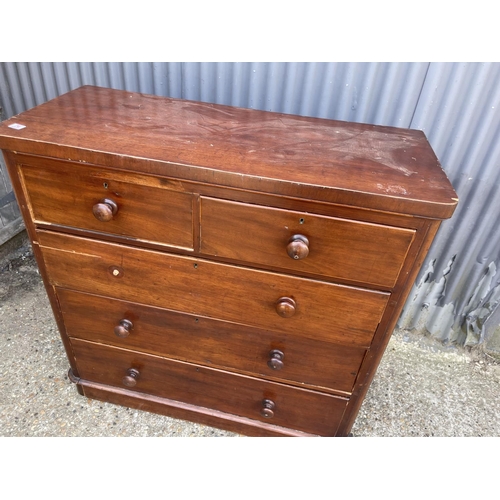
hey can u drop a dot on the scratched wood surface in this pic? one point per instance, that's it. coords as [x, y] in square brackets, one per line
[295, 408]
[65, 194]
[324, 311]
[231, 234]
[343, 249]
[211, 342]
[386, 168]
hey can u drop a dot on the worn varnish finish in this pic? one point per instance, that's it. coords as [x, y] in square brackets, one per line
[238, 268]
[390, 169]
[144, 212]
[211, 289]
[202, 340]
[338, 248]
[295, 408]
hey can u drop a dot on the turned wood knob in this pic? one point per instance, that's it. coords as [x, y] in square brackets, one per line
[123, 328]
[276, 360]
[298, 247]
[105, 210]
[130, 380]
[285, 307]
[267, 408]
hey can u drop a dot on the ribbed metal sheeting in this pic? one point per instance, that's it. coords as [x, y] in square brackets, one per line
[381, 93]
[459, 110]
[10, 215]
[455, 104]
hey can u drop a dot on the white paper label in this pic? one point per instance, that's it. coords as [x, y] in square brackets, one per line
[17, 126]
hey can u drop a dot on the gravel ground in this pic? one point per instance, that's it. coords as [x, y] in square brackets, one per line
[422, 388]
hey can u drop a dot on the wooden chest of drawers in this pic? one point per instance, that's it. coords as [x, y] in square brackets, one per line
[238, 268]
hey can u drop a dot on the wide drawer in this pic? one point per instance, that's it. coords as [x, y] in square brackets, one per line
[147, 208]
[338, 248]
[322, 311]
[210, 342]
[249, 397]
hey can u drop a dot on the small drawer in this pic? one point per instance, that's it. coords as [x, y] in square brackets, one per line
[281, 303]
[107, 201]
[210, 342]
[248, 397]
[303, 242]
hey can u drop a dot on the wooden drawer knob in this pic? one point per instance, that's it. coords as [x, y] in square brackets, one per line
[298, 247]
[267, 408]
[105, 210]
[285, 307]
[276, 360]
[130, 380]
[123, 328]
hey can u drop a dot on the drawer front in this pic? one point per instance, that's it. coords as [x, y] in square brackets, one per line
[147, 209]
[295, 408]
[323, 311]
[210, 342]
[338, 248]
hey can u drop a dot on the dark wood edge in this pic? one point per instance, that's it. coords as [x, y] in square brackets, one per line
[184, 411]
[386, 327]
[246, 195]
[76, 381]
[20, 191]
[382, 202]
[183, 252]
[72, 377]
[196, 220]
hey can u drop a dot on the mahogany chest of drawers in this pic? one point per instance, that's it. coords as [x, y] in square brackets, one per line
[238, 268]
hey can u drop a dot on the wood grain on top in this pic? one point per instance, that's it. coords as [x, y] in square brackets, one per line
[386, 168]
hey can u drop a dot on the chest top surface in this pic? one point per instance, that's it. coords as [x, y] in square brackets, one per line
[375, 167]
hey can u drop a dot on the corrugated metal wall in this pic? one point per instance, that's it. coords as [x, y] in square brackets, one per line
[10, 216]
[459, 110]
[456, 104]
